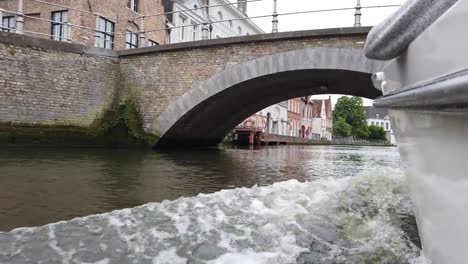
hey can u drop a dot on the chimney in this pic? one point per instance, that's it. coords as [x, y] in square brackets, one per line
[242, 6]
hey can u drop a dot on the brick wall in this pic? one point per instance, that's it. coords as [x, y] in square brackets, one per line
[49, 87]
[114, 10]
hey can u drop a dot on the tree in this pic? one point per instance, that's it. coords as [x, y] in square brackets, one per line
[352, 111]
[341, 128]
[376, 132]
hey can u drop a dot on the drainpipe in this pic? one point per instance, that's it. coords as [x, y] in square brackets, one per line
[275, 17]
[142, 32]
[357, 14]
[1, 19]
[20, 18]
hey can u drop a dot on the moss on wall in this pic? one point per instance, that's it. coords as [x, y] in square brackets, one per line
[119, 126]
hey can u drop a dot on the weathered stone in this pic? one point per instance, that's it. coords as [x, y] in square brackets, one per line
[50, 83]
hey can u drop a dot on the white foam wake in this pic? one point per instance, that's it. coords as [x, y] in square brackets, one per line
[349, 220]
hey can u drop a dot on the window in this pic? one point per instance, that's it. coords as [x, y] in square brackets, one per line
[152, 43]
[239, 30]
[230, 23]
[387, 126]
[59, 26]
[105, 34]
[133, 5]
[194, 30]
[8, 23]
[372, 123]
[381, 124]
[220, 16]
[183, 21]
[131, 40]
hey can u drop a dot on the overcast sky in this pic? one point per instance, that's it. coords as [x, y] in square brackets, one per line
[345, 18]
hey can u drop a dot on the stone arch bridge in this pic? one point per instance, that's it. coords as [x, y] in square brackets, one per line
[189, 93]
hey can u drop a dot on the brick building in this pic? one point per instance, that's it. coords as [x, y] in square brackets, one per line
[294, 116]
[111, 24]
[306, 117]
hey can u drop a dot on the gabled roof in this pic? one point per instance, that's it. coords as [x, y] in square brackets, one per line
[378, 113]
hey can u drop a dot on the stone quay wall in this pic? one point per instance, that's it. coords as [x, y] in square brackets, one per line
[43, 82]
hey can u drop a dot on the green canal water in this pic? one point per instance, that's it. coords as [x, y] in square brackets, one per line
[285, 204]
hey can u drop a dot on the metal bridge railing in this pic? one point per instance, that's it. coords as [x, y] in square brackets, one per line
[97, 32]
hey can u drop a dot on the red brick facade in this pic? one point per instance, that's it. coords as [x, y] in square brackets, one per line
[84, 23]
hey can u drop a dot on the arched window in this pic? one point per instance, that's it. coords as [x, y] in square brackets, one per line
[239, 30]
[230, 23]
[220, 15]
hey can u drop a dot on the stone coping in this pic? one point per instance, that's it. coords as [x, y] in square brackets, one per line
[35, 42]
[317, 33]
[48, 44]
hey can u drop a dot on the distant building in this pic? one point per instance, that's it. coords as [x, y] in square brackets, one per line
[379, 117]
[322, 121]
[276, 117]
[294, 116]
[224, 20]
[306, 117]
[110, 24]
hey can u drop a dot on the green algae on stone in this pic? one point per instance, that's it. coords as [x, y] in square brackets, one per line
[121, 126]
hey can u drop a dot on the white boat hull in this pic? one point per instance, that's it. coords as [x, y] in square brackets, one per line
[426, 89]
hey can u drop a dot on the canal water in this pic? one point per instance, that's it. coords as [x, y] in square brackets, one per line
[285, 204]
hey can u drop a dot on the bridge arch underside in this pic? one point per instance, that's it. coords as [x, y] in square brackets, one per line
[210, 121]
[210, 109]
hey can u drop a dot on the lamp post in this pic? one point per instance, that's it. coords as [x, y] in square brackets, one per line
[357, 14]
[20, 18]
[275, 17]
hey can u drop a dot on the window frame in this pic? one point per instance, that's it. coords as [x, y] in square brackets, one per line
[133, 42]
[7, 28]
[62, 25]
[133, 5]
[194, 27]
[183, 21]
[106, 38]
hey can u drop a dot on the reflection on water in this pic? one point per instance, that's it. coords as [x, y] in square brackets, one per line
[39, 186]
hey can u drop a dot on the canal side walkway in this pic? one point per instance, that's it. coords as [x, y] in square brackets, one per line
[272, 139]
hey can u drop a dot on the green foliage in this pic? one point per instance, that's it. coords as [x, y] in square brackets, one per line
[352, 111]
[376, 132]
[124, 125]
[341, 128]
[361, 132]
